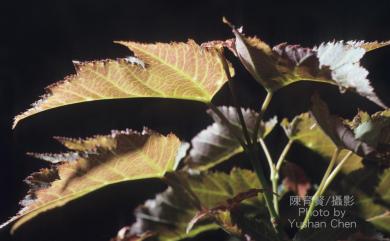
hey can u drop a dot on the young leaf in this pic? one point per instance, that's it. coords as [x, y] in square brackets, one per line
[217, 143]
[176, 70]
[295, 179]
[121, 156]
[229, 217]
[366, 136]
[333, 62]
[304, 130]
[170, 212]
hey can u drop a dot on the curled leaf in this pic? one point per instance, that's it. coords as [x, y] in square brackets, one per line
[335, 63]
[176, 70]
[305, 130]
[123, 156]
[367, 136]
[217, 143]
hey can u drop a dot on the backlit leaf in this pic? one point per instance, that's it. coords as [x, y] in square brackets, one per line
[170, 212]
[121, 156]
[230, 218]
[176, 70]
[304, 130]
[217, 143]
[335, 63]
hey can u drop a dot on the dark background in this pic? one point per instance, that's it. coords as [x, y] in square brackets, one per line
[39, 39]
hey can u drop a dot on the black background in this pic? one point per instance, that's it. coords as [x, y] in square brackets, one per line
[40, 38]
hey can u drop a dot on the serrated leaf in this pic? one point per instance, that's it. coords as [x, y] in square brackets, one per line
[230, 218]
[376, 208]
[170, 212]
[121, 156]
[176, 70]
[366, 136]
[304, 130]
[217, 143]
[333, 63]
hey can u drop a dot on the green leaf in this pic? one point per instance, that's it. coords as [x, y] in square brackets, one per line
[367, 136]
[375, 208]
[99, 161]
[217, 143]
[375, 131]
[304, 130]
[229, 217]
[175, 70]
[170, 212]
[334, 63]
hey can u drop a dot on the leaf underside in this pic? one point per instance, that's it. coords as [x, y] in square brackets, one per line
[170, 212]
[100, 161]
[335, 63]
[175, 70]
[217, 143]
[367, 136]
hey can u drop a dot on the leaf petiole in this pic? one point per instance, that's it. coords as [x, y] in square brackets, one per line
[264, 107]
[337, 170]
[275, 174]
[320, 189]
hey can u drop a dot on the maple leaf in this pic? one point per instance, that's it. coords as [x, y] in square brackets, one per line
[100, 161]
[175, 70]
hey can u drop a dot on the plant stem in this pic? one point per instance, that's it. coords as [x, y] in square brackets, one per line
[337, 170]
[320, 189]
[251, 147]
[267, 154]
[275, 175]
[283, 155]
[235, 99]
[267, 194]
[264, 107]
